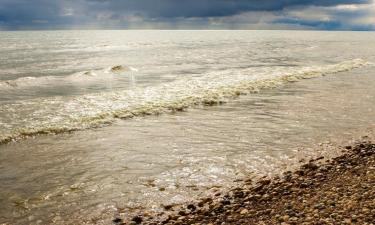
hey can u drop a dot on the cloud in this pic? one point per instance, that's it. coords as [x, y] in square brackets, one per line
[176, 14]
[206, 8]
[338, 17]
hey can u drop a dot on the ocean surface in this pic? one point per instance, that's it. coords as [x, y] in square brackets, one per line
[95, 124]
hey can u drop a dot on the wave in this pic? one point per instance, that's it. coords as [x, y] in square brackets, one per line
[91, 75]
[23, 81]
[214, 88]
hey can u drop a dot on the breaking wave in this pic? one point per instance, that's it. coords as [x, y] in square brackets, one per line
[91, 75]
[23, 81]
[89, 111]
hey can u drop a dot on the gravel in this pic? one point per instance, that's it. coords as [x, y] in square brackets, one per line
[336, 191]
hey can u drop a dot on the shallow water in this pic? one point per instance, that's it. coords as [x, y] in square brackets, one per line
[145, 161]
[54, 82]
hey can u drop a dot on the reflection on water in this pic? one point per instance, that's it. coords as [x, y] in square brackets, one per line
[148, 161]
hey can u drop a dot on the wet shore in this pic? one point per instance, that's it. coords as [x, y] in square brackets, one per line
[340, 190]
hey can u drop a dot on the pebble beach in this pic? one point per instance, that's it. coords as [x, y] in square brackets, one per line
[323, 191]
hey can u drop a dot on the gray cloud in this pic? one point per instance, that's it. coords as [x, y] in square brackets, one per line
[48, 14]
[204, 8]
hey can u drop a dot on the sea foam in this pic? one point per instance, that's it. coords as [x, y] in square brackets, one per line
[213, 88]
[82, 76]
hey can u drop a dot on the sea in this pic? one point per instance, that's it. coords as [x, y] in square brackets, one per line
[102, 124]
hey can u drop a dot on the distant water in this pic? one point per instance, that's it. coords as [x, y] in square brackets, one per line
[168, 87]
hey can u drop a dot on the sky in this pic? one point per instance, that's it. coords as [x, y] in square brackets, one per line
[187, 14]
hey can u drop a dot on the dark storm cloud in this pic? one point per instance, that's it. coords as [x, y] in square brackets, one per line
[205, 8]
[106, 13]
[23, 13]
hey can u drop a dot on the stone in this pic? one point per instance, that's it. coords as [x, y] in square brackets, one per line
[182, 213]
[137, 219]
[244, 211]
[191, 207]
[285, 218]
[117, 220]
[225, 202]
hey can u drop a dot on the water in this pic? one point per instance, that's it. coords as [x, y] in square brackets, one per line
[176, 139]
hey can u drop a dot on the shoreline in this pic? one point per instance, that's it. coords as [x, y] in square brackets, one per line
[340, 190]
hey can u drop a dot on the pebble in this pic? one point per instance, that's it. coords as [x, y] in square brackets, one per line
[337, 192]
[244, 211]
[117, 220]
[137, 219]
[191, 207]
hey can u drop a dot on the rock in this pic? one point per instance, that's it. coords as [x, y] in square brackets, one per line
[117, 220]
[265, 196]
[225, 202]
[265, 182]
[182, 213]
[285, 218]
[365, 210]
[191, 207]
[119, 69]
[137, 219]
[311, 166]
[244, 211]
[168, 207]
[345, 194]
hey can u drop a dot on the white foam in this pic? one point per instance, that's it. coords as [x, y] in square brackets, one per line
[25, 81]
[92, 76]
[213, 88]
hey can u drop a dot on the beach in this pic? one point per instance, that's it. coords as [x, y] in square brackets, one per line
[323, 191]
[102, 127]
